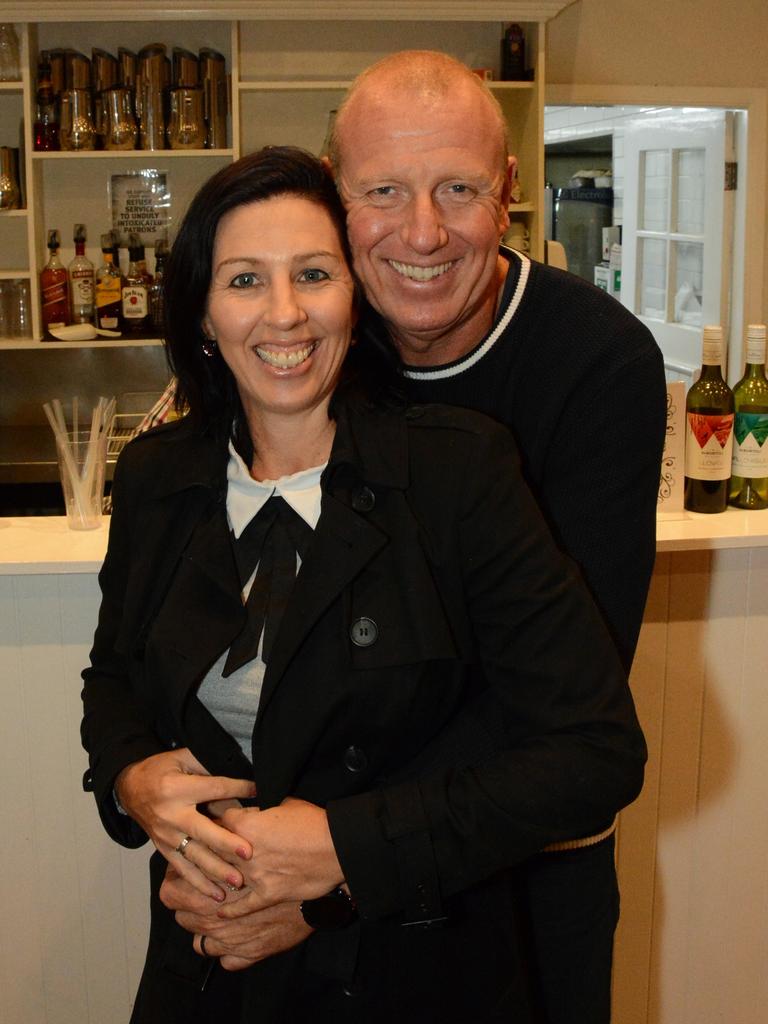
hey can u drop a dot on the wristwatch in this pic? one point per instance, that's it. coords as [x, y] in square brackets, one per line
[327, 913]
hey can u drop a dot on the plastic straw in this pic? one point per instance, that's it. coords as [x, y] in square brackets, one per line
[69, 461]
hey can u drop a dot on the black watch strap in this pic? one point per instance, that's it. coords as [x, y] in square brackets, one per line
[335, 910]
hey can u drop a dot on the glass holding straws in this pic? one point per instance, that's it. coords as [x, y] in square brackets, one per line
[82, 455]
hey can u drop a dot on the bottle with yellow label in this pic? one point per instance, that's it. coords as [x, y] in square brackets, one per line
[108, 289]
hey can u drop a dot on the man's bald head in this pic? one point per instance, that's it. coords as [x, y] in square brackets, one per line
[415, 76]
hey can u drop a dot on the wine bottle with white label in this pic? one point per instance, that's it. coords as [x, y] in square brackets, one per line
[749, 469]
[708, 431]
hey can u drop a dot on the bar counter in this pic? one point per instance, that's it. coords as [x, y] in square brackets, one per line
[44, 544]
[692, 849]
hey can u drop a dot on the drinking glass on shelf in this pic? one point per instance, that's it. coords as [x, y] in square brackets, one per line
[22, 311]
[120, 129]
[10, 67]
[15, 309]
[76, 129]
[10, 194]
[186, 126]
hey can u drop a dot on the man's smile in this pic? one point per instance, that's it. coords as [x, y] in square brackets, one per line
[416, 273]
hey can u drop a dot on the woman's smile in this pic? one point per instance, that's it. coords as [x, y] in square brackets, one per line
[285, 358]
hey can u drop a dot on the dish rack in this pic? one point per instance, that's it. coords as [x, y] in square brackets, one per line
[131, 409]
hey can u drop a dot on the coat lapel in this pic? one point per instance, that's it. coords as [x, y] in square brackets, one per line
[201, 614]
[343, 544]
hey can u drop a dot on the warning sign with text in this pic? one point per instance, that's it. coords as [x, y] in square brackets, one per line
[141, 206]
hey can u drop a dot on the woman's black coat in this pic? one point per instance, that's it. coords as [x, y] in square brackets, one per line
[441, 683]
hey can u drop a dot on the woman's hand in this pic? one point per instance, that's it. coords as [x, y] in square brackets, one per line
[161, 793]
[293, 857]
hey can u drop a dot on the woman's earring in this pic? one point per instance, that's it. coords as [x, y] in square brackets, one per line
[209, 347]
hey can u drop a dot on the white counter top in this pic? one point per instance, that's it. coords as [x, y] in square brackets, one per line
[45, 544]
[692, 531]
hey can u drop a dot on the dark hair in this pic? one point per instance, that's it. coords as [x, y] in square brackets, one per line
[205, 384]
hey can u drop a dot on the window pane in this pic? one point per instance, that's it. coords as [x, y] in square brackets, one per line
[690, 191]
[654, 213]
[687, 262]
[652, 261]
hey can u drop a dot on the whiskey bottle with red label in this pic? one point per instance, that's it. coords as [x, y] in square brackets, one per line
[54, 287]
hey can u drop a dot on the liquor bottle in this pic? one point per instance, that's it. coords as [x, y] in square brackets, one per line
[708, 431]
[141, 261]
[81, 281]
[46, 126]
[749, 469]
[134, 296]
[513, 55]
[53, 287]
[156, 296]
[109, 291]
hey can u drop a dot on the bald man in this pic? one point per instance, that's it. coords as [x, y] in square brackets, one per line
[420, 156]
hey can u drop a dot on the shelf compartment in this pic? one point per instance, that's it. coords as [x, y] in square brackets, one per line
[295, 85]
[39, 343]
[131, 154]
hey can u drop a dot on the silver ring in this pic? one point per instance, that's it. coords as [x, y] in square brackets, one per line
[181, 848]
[202, 945]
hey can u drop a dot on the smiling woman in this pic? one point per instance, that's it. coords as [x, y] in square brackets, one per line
[334, 629]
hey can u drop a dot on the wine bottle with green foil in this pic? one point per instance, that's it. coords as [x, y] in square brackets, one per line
[708, 431]
[749, 469]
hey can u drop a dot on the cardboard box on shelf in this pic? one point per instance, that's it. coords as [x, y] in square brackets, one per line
[610, 236]
[609, 279]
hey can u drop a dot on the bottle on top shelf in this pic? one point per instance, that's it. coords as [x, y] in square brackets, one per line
[46, 126]
[135, 304]
[513, 55]
[749, 469]
[81, 281]
[109, 291]
[708, 431]
[54, 287]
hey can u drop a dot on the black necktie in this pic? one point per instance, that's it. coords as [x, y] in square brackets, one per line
[271, 541]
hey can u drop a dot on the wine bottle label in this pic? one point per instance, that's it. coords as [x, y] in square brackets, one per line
[134, 302]
[750, 444]
[755, 350]
[712, 352]
[708, 446]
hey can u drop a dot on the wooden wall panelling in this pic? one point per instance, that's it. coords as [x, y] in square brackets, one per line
[638, 825]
